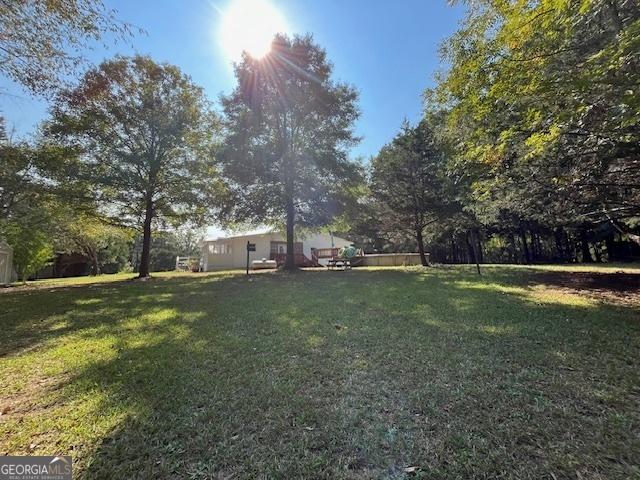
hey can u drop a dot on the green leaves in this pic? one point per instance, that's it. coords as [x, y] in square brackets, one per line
[542, 93]
[289, 126]
[408, 178]
[147, 134]
[41, 41]
[30, 237]
[148, 139]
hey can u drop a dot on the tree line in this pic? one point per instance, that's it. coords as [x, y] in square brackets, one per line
[529, 146]
[527, 150]
[135, 145]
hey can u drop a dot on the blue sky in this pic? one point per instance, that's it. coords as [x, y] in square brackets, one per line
[387, 49]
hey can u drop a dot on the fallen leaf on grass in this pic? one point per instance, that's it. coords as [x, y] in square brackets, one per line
[571, 369]
[411, 470]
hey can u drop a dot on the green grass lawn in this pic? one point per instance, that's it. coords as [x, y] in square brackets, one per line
[354, 375]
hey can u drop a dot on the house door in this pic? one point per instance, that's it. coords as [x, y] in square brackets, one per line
[279, 252]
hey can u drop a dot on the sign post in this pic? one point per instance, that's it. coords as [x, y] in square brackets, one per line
[251, 247]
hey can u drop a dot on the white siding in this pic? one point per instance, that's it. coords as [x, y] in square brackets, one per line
[237, 257]
[6, 263]
[322, 240]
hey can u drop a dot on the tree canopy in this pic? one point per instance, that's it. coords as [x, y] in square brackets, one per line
[542, 101]
[537, 117]
[407, 178]
[288, 128]
[529, 148]
[41, 42]
[146, 136]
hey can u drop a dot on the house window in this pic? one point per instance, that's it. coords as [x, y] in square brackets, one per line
[281, 247]
[278, 247]
[219, 248]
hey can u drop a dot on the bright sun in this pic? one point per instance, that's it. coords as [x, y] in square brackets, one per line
[250, 25]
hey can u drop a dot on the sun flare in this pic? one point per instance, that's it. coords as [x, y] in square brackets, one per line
[250, 25]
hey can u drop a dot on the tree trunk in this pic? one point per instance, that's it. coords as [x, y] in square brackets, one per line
[420, 240]
[557, 235]
[145, 257]
[471, 258]
[512, 248]
[525, 248]
[532, 246]
[584, 245]
[540, 255]
[571, 246]
[94, 264]
[472, 250]
[479, 246]
[454, 255]
[290, 263]
[609, 243]
[596, 252]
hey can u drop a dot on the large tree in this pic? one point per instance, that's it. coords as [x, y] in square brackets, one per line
[30, 231]
[36, 188]
[408, 180]
[41, 41]
[31, 242]
[146, 136]
[544, 109]
[89, 236]
[32, 174]
[289, 128]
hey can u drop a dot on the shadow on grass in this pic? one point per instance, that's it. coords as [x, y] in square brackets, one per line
[32, 316]
[341, 375]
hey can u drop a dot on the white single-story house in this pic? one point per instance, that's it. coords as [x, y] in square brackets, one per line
[6, 263]
[231, 252]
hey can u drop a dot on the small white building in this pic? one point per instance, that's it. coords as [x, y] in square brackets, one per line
[6, 263]
[231, 252]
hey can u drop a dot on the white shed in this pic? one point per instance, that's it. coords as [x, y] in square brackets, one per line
[6, 263]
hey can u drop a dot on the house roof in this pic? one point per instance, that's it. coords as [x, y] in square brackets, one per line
[253, 233]
[248, 233]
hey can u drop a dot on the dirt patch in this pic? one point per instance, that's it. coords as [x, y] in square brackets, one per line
[619, 287]
[27, 400]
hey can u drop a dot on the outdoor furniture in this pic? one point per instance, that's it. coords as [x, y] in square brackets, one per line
[188, 264]
[263, 264]
[339, 263]
[345, 258]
